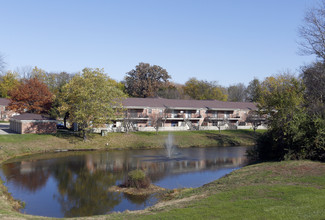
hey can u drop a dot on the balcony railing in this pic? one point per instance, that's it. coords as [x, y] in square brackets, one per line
[221, 116]
[183, 115]
[137, 115]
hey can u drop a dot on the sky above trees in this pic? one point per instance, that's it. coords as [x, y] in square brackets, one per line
[226, 41]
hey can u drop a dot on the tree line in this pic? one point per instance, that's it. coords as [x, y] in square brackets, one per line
[143, 81]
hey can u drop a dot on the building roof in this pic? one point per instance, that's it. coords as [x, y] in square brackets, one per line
[31, 116]
[186, 104]
[4, 101]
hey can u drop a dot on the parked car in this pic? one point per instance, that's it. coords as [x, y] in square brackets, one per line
[60, 126]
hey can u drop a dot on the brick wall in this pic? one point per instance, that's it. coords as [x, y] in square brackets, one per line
[33, 126]
[39, 127]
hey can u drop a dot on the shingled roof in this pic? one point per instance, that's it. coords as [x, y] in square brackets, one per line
[182, 103]
[4, 101]
[31, 116]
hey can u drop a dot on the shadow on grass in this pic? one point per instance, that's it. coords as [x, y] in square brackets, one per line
[223, 140]
[146, 133]
[71, 136]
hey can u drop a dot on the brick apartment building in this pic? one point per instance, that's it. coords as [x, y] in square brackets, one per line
[185, 114]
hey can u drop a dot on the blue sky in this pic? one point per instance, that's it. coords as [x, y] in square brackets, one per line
[229, 41]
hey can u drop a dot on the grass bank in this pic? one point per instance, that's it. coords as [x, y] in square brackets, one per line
[17, 145]
[279, 190]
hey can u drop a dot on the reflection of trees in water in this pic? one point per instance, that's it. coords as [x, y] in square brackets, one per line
[83, 179]
[159, 170]
[136, 199]
[84, 193]
[158, 167]
[26, 174]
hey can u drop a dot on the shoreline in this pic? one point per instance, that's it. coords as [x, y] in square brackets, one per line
[21, 145]
[27, 145]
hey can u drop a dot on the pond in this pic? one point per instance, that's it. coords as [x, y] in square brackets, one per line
[73, 184]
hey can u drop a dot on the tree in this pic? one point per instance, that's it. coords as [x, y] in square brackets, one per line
[90, 99]
[118, 85]
[219, 123]
[146, 80]
[253, 90]
[313, 77]
[202, 90]
[24, 72]
[173, 91]
[255, 119]
[156, 119]
[31, 96]
[237, 93]
[39, 73]
[312, 32]
[2, 64]
[128, 121]
[55, 81]
[222, 123]
[282, 99]
[294, 132]
[8, 82]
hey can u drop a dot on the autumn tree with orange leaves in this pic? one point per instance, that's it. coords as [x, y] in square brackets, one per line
[31, 96]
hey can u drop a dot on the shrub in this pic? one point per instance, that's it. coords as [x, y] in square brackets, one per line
[302, 138]
[137, 179]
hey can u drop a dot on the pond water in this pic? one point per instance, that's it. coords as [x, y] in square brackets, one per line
[73, 184]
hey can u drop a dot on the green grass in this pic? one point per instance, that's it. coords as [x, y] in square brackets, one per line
[140, 139]
[181, 139]
[254, 202]
[16, 138]
[281, 190]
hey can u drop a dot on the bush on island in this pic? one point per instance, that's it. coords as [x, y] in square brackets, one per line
[137, 179]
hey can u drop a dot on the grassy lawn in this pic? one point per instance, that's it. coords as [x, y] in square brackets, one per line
[279, 190]
[181, 139]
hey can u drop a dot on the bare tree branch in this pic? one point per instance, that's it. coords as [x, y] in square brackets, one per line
[2, 64]
[312, 32]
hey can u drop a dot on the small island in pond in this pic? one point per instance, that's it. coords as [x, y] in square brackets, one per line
[137, 183]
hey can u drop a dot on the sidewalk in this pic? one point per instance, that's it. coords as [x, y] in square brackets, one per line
[4, 129]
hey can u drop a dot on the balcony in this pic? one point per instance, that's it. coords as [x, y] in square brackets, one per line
[138, 116]
[221, 117]
[181, 116]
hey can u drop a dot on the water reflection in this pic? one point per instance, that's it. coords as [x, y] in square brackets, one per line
[75, 184]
